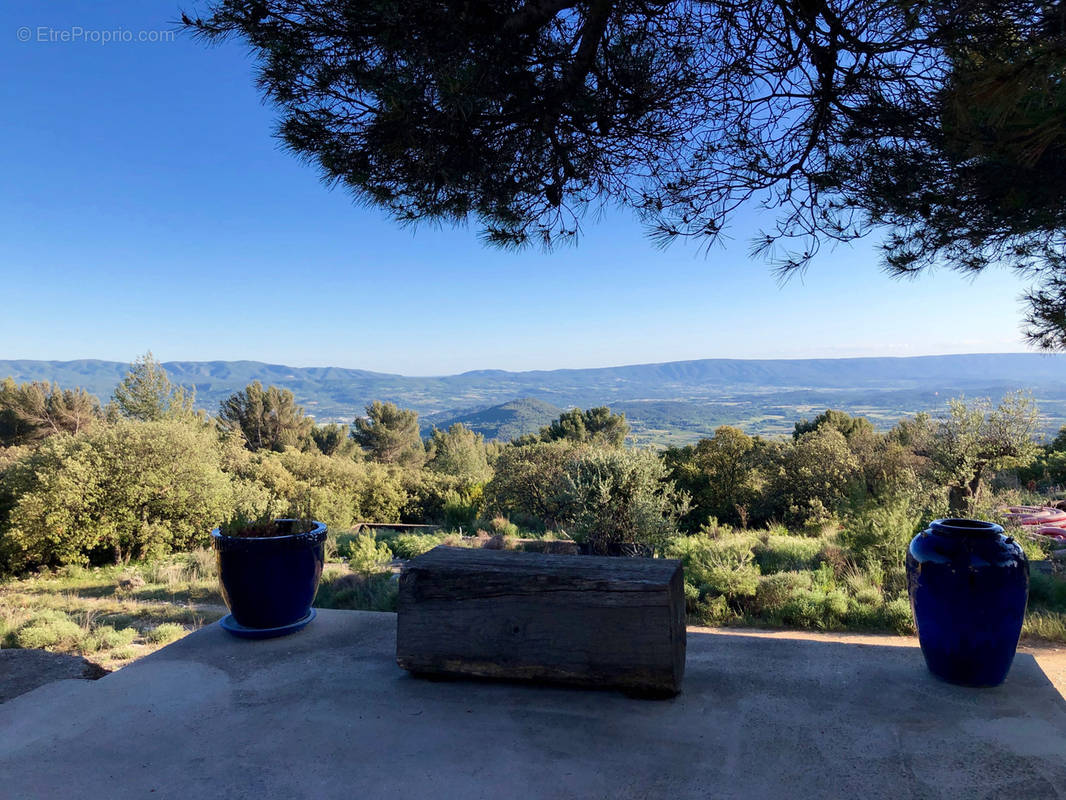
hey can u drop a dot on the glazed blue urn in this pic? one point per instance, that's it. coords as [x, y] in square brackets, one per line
[968, 585]
[269, 583]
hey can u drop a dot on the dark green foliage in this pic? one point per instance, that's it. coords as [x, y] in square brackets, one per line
[461, 509]
[851, 427]
[1047, 591]
[389, 435]
[531, 485]
[31, 411]
[969, 171]
[597, 426]
[809, 479]
[1058, 444]
[720, 475]
[437, 499]
[269, 419]
[334, 440]
[1048, 468]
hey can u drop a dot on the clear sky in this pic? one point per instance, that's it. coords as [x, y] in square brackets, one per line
[147, 206]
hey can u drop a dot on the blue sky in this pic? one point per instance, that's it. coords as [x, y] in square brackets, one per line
[147, 206]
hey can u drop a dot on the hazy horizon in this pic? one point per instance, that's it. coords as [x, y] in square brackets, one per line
[618, 365]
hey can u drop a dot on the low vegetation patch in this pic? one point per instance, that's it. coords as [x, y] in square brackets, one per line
[111, 615]
[848, 579]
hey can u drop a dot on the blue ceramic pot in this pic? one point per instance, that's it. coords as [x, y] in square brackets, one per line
[968, 585]
[269, 583]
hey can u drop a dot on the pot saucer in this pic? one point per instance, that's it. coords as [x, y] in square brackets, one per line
[234, 627]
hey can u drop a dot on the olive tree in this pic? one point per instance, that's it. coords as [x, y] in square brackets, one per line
[974, 439]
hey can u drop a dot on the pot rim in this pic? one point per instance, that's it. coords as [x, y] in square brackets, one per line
[318, 530]
[958, 526]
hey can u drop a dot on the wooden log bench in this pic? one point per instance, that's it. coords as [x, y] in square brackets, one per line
[580, 620]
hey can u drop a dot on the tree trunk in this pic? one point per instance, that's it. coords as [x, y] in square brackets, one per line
[962, 498]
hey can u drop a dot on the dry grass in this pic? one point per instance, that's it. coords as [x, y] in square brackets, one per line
[111, 615]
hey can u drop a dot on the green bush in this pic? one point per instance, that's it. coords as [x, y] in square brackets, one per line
[787, 553]
[408, 545]
[460, 510]
[619, 496]
[165, 632]
[731, 582]
[501, 526]
[880, 534]
[368, 556]
[47, 629]
[775, 591]
[700, 554]
[105, 637]
[898, 615]
[714, 611]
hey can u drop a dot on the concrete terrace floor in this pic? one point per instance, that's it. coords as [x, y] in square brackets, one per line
[326, 713]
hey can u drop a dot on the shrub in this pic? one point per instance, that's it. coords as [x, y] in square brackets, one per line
[621, 496]
[502, 526]
[701, 555]
[787, 553]
[879, 534]
[774, 592]
[368, 556]
[107, 637]
[47, 629]
[408, 545]
[898, 615]
[165, 632]
[732, 582]
[714, 611]
[461, 509]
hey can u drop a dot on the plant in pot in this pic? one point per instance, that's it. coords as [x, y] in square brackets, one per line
[269, 571]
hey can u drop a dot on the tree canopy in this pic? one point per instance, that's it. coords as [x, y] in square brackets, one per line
[974, 439]
[146, 393]
[390, 434]
[595, 426]
[459, 451]
[267, 418]
[31, 411]
[940, 123]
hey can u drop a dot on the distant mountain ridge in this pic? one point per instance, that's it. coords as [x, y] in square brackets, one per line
[670, 401]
